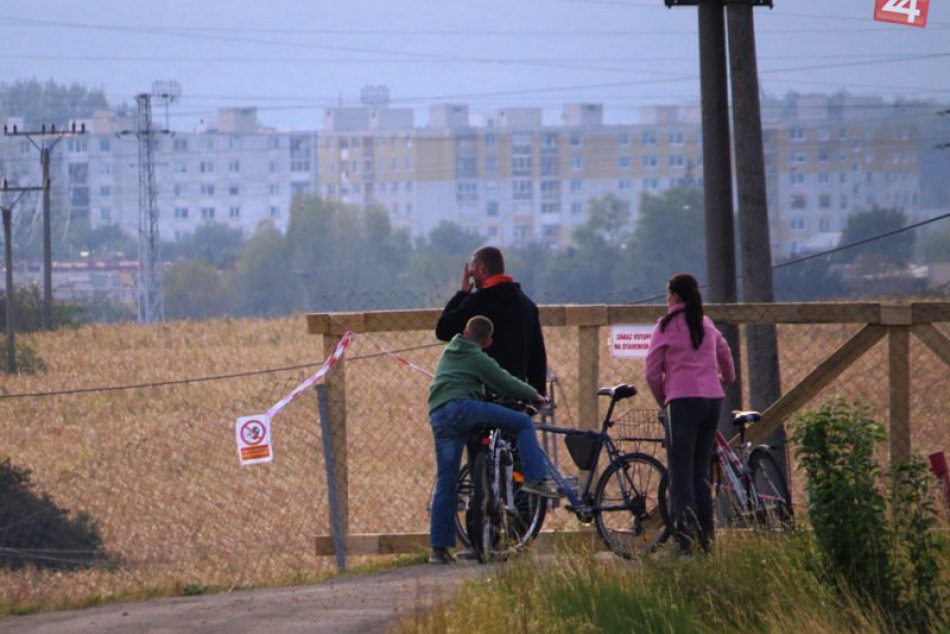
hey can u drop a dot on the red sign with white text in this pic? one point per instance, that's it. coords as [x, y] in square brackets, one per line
[907, 12]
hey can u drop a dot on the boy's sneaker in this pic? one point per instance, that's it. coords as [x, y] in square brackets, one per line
[542, 487]
[441, 556]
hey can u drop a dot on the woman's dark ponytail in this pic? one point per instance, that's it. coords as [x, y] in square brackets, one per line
[687, 289]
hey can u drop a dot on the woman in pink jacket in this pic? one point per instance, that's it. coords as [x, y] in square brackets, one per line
[687, 364]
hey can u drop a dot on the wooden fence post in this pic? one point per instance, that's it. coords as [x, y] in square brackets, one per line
[335, 382]
[898, 319]
[588, 320]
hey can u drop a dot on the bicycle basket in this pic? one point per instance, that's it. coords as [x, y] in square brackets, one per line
[583, 450]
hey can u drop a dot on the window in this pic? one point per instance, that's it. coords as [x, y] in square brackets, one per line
[234, 167]
[824, 133]
[550, 139]
[207, 144]
[491, 208]
[577, 185]
[105, 214]
[273, 189]
[575, 139]
[104, 145]
[577, 207]
[796, 224]
[550, 208]
[105, 168]
[491, 163]
[521, 189]
[824, 225]
[798, 156]
[207, 213]
[408, 187]
[797, 178]
[824, 201]
[275, 212]
[799, 201]
[181, 213]
[677, 160]
[408, 164]
[624, 162]
[577, 163]
[234, 212]
[180, 145]
[273, 143]
[381, 166]
[105, 191]
[234, 143]
[234, 190]
[550, 232]
[648, 137]
[274, 166]
[824, 155]
[491, 140]
[796, 134]
[207, 189]
[181, 167]
[299, 189]
[550, 188]
[206, 167]
[650, 160]
[465, 192]
[676, 138]
[824, 178]
[843, 201]
[624, 184]
[549, 166]
[521, 166]
[623, 138]
[177, 190]
[394, 186]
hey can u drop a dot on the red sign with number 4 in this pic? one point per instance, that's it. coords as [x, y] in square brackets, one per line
[908, 12]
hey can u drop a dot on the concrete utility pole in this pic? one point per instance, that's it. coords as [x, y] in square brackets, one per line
[717, 178]
[8, 264]
[45, 150]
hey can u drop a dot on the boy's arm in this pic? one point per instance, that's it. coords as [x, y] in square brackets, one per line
[500, 381]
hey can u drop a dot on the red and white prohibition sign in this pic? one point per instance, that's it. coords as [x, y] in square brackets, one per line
[253, 439]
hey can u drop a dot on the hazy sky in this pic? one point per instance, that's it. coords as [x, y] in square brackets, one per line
[292, 58]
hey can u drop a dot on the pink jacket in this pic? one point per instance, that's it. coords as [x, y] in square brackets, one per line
[675, 370]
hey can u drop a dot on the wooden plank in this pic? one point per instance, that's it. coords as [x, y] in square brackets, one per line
[933, 339]
[406, 543]
[584, 314]
[826, 372]
[588, 365]
[898, 347]
[587, 315]
[634, 314]
[896, 314]
[931, 312]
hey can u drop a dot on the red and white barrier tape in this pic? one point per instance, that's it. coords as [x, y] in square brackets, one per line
[322, 372]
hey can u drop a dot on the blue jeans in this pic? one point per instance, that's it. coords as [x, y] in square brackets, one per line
[451, 424]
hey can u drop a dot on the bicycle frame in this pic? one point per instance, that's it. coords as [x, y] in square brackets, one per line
[735, 469]
[576, 495]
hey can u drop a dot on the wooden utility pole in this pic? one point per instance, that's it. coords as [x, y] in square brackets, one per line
[45, 150]
[717, 177]
[8, 263]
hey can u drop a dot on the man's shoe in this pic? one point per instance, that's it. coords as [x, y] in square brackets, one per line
[441, 556]
[467, 555]
[542, 487]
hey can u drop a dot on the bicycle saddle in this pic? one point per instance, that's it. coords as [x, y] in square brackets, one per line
[618, 392]
[744, 418]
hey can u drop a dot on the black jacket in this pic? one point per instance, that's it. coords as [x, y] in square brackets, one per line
[518, 344]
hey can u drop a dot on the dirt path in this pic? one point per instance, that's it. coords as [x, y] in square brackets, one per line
[364, 603]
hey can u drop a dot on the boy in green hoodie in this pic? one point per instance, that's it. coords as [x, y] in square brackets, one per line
[456, 407]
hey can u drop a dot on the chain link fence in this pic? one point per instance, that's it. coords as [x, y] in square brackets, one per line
[111, 491]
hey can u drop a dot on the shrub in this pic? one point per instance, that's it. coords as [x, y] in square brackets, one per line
[885, 554]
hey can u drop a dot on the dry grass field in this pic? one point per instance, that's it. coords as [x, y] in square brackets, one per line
[156, 468]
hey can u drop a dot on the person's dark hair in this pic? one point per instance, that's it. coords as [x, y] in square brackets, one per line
[491, 258]
[687, 289]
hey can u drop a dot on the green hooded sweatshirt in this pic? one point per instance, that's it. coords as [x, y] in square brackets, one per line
[464, 371]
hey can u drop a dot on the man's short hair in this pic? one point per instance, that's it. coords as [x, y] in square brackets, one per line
[491, 258]
[480, 328]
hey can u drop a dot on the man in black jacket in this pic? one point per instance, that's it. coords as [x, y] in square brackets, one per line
[518, 342]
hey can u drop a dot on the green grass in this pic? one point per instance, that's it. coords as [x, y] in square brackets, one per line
[752, 583]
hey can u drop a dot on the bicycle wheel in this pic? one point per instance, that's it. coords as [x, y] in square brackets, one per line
[629, 505]
[479, 520]
[463, 500]
[771, 502]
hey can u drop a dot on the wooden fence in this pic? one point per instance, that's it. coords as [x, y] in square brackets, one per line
[876, 320]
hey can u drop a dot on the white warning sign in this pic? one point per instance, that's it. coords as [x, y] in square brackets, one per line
[253, 439]
[630, 341]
